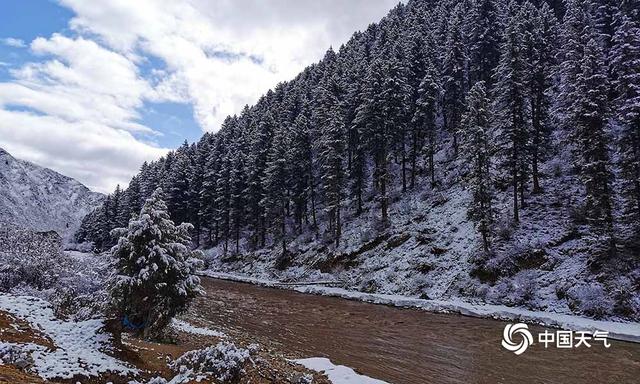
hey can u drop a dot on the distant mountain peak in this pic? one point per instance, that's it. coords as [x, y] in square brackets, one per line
[39, 198]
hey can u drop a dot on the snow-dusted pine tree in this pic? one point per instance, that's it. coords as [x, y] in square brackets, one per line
[155, 269]
[453, 73]
[477, 152]
[424, 118]
[539, 35]
[331, 155]
[590, 118]
[510, 107]
[274, 183]
[625, 62]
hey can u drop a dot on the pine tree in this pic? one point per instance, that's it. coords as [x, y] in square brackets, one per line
[625, 61]
[177, 184]
[237, 198]
[589, 114]
[483, 20]
[371, 119]
[155, 278]
[276, 200]
[510, 107]
[208, 195]
[197, 171]
[223, 199]
[396, 94]
[259, 143]
[575, 22]
[424, 119]
[477, 152]
[300, 162]
[540, 50]
[331, 155]
[131, 202]
[453, 72]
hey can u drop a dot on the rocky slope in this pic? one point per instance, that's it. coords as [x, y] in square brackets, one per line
[38, 198]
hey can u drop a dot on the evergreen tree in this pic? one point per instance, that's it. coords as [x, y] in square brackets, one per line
[477, 152]
[155, 278]
[510, 107]
[208, 195]
[372, 120]
[300, 162]
[223, 199]
[331, 155]
[276, 200]
[453, 72]
[625, 60]
[237, 198]
[483, 20]
[396, 95]
[540, 37]
[424, 119]
[590, 116]
[177, 184]
[259, 143]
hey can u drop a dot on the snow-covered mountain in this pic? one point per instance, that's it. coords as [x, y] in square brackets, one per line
[38, 198]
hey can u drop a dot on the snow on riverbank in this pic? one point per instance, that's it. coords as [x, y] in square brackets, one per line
[338, 374]
[79, 346]
[617, 330]
[185, 327]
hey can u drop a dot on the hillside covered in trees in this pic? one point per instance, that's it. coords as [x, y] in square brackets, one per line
[472, 148]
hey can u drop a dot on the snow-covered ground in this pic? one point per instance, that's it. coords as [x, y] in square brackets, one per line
[338, 374]
[627, 331]
[79, 347]
[183, 326]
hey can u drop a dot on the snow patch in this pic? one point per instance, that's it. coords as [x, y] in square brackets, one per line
[185, 327]
[79, 345]
[337, 374]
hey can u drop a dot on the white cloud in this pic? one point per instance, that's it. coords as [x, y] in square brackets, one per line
[76, 107]
[13, 42]
[96, 154]
[196, 38]
[75, 110]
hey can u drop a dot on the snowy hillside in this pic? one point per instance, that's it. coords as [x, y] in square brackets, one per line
[479, 151]
[41, 199]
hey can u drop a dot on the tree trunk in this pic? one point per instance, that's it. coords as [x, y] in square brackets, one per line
[404, 165]
[414, 156]
[431, 165]
[383, 192]
[237, 238]
[516, 217]
[284, 234]
[535, 119]
[338, 225]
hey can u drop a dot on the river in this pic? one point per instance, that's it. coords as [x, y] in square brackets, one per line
[403, 345]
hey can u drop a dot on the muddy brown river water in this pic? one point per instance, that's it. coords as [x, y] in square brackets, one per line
[404, 345]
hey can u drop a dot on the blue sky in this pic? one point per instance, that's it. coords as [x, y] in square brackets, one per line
[26, 20]
[92, 89]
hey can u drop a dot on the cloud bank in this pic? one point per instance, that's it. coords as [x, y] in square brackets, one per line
[78, 106]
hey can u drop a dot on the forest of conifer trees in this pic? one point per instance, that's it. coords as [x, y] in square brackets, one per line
[492, 88]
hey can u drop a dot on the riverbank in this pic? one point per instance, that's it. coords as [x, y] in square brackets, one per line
[617, 330]
[38, 347]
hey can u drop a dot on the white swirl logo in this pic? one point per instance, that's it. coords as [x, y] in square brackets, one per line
[511, 330]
